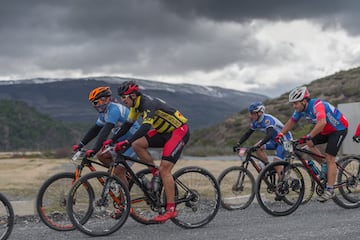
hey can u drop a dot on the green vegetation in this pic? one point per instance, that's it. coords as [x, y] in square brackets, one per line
[23, 128]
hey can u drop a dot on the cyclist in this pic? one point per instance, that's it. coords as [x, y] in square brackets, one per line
[356, 137]
[268, 124]
[330, 126]
[111, 117]
[162, 127]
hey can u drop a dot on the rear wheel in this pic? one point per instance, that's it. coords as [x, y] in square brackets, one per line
[197, 197]
[348, 193]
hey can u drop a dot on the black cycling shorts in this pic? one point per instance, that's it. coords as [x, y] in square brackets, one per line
[333, 140]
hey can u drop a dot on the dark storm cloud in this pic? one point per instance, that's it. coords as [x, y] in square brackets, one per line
[330, 12]
[153, 37]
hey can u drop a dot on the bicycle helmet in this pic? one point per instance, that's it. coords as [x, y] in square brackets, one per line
[99, 92]
[256, 107]
[298, 94]
[127, 87]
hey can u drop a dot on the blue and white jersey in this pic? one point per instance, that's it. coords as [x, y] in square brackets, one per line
[270, 121]
[116, 114]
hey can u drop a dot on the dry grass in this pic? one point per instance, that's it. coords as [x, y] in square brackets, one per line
[20, 178]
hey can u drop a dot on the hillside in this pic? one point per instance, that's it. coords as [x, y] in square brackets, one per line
[23, 128]
[342, 87]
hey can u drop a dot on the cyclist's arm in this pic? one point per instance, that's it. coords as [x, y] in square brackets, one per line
[270, 131]
[288, 126]
[124, 129]
[144, 128]
[91, 134]
[245, 136]
[103, 135]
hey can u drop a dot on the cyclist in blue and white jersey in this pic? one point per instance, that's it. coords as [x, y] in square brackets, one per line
[270, 126]
[111, 117]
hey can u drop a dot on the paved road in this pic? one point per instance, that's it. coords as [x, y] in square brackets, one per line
[312, 221]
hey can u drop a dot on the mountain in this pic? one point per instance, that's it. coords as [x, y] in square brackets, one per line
[67, 99]
[341, 87]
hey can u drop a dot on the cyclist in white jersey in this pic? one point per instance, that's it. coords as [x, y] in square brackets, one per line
[270, 126]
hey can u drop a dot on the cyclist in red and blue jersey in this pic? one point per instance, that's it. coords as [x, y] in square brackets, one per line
[270, 126]
[330, 127]
[162, 127]
[111, 117]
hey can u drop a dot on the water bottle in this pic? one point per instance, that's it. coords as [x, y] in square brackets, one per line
[156, 183]
[313, 167]
[146, 182]
[323, 172]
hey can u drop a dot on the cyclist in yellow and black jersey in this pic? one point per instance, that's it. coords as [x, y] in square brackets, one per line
[162, 127]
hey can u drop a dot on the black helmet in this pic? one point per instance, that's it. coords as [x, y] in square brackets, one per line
[128, 87]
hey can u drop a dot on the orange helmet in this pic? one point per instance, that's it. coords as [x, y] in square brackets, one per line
[99, 92]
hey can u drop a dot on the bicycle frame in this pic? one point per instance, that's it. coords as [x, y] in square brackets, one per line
[85, 162]
[297, 152]
[250, 157]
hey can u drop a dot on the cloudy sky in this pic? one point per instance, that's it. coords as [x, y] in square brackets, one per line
[265, 46]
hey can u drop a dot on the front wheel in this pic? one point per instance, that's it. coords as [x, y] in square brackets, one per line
[237, 188]
[280, 194]
[7, 217]
[109, 208]
[197, 197]
[51, 201]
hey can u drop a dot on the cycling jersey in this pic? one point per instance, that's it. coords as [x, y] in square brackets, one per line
[318, 109]
[116, 114]
[162, 126]
[157, 113]
[270, 121]
[271, 126]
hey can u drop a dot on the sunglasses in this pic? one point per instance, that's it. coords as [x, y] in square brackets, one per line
[123, 97]
[100, 100]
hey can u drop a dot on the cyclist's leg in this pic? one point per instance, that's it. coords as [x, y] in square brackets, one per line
[261, 153]
[171, 153]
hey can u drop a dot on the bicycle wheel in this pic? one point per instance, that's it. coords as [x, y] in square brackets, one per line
[280, 196]
[309, 183]
[142, 209]
[110, 205]
[197, 197]
[51, 201]
[347, 195]
[7, 217]
[237, 188]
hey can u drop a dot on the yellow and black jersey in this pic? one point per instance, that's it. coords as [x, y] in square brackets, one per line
[154, 111]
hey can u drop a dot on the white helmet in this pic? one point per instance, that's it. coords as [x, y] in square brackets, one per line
[298, 94]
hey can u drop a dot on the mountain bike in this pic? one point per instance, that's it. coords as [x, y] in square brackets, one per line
[7, 217]
[237, 183]
[52, 196]
[197, 197]
[284, 195]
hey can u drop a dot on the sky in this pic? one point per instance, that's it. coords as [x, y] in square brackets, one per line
[267, 47]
